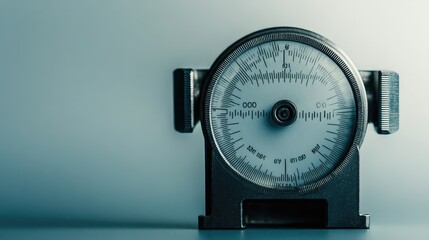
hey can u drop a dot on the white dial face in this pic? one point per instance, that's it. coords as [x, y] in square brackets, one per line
[282, 114]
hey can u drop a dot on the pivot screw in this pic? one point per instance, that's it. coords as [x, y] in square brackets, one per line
[284, 113]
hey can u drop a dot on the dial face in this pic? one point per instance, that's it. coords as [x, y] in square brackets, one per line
[282, 114]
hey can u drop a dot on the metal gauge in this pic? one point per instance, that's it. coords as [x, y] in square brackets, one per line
[284, 113]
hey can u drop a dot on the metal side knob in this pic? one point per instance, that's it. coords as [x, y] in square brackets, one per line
[186, 87]
[382, 89]
[388, 102]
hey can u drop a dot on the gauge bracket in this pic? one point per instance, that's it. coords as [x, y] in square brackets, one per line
[227, 196]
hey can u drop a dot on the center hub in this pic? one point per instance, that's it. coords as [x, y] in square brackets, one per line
[284, 113]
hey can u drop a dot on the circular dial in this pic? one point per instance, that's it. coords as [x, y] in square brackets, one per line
[282, 113]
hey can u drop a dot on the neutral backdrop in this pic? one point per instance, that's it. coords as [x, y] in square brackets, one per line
[86, 110]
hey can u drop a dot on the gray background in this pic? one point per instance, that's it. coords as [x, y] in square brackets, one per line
[86, 118]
